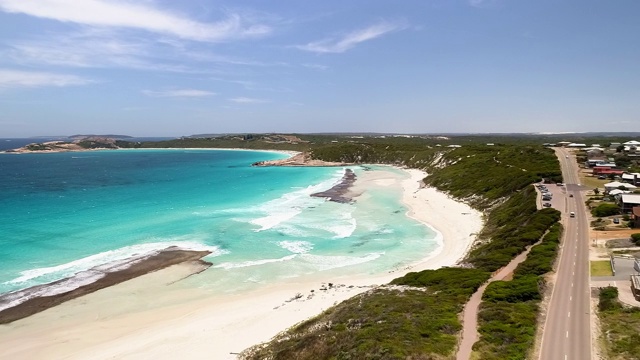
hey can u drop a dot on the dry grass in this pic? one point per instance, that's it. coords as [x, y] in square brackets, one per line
[601, 268]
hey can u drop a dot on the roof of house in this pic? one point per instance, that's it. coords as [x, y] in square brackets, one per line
[630, 176]
[617, 191]
[605, 171]
[636, 211]
[615, 184]
[630, 198]
[632, 142]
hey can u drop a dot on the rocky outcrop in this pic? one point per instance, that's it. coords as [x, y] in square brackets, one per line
[301, 159]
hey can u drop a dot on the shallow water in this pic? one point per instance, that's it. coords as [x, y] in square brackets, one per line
[65, 213]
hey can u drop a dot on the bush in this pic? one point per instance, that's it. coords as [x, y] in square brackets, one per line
[636, 238]
[605, 209]
[608, 298]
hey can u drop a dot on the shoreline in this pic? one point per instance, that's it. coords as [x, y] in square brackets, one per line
[164, 319]
[135, 268]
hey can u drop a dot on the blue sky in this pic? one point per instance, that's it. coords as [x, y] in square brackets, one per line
[171, 68]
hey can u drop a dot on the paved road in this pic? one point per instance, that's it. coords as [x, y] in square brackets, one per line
[567, 331]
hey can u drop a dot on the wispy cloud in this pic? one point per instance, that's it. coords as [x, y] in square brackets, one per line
[136, 15]
[105, 48]
[26, 79]
[246, 100]
[481, 3]
[316, 66]
[185, 93]
[348, 41]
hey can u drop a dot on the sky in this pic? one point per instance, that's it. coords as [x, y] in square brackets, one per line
[174, 68]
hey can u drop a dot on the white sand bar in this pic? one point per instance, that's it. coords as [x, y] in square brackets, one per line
[157, 317]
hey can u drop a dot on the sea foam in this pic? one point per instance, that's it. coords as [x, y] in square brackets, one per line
[292, 204]
[111, 260]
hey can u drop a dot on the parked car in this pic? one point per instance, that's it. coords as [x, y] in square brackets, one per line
[546, 204]
[616, 221]
[570, 195]
[572, 214]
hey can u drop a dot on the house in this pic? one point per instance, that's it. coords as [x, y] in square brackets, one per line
[632, 178]
[628, 201]
[606, 170]
[595, 161]
[635, 217]
[631, 143]
[635, 286]
[618, 185]
[576, 145]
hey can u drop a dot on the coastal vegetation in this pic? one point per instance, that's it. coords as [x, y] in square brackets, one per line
[620, 326]
[421, 319]
[508, 316]
[414, 318]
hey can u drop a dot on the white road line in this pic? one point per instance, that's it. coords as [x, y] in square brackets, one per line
[567, 333]
[571, 284]
[570, 297]
[569, 314]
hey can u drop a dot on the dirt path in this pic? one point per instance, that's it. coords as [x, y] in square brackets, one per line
[470, 313]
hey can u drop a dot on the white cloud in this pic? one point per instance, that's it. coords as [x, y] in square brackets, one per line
[188, 93]
[348, 41]
[246, 100]
[26, 79]
[134, 15]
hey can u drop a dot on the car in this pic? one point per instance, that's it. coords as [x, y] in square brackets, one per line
[616, 221]
[570, 195]
[572, 214]
[546, 204]
[567, 156]
[602, 177]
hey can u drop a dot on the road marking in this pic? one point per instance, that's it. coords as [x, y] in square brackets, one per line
[567, 333]
[569, 314]
[574, 273]
[571, 284]
[570, 297]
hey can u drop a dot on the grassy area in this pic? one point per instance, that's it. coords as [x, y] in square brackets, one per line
[601, 268]
[593, 182]
[620, 327]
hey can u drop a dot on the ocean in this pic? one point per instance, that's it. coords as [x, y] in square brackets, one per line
[66, 215]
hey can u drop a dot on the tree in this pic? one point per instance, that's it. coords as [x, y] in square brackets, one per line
[596, 191]
[605, 209]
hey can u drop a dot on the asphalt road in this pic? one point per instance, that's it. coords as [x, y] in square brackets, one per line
[567, 330]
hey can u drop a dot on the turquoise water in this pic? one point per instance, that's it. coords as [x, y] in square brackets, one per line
[81, 214]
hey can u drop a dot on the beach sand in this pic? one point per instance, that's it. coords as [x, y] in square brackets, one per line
[156, 316]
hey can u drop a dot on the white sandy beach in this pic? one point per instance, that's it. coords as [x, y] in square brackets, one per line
[157, 317]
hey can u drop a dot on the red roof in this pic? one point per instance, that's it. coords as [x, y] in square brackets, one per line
[611, 171]
[636, 211]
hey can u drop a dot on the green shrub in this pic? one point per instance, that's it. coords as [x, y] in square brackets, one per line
[608, 298]
[605, 209]
[635, 238]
